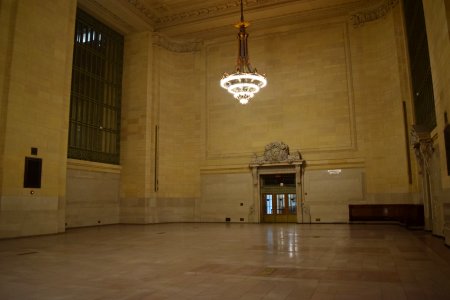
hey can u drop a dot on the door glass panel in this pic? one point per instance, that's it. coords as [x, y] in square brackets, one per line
[280, 204]
[292, 203]
[268, 204]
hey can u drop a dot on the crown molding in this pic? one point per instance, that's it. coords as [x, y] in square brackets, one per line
[161, 20]
[203, 13]
[267, 18]
[195, 18]
[375, 13]
[115, 14]
[191, 15]
[145, 11]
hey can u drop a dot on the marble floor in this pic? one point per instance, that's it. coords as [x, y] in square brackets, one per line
[227, 261]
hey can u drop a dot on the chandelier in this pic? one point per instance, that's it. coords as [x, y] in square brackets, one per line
[246, 81]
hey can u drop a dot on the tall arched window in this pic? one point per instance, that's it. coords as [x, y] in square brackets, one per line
[419, 59]
[94, 130]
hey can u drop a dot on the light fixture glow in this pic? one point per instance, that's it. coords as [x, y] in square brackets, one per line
[246, 81]
[334, 172]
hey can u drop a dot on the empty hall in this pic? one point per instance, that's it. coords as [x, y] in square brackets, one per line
[224, 149]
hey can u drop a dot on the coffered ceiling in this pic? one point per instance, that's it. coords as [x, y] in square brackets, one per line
[191, 18]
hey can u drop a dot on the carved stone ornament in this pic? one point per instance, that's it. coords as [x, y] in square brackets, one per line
[276, 152]
[360, 18]
[423, 146]
[154, 16]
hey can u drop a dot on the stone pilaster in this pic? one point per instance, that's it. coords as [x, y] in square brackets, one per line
[36, 66]
[137, 161]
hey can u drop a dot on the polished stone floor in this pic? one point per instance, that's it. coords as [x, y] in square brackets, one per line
[227, 261]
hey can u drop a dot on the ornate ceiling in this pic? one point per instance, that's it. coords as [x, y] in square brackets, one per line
[194, 18]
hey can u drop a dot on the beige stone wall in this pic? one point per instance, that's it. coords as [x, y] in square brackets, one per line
[179, 124]
[136, 158]
[437, 23]
[439, 48]
[92, 196]
[160, 131]
[178, 87]
[222, 195]
[327, 196]
[308, 102]
[334, 92]
[36, 61]
[7, 26]
[379, 97]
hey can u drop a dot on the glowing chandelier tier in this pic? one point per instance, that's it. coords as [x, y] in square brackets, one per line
[246, 81]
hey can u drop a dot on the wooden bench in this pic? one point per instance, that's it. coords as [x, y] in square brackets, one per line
[406, 214]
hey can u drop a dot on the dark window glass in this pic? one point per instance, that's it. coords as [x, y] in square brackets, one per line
[422, 82]
[447, 147]
[94, 129]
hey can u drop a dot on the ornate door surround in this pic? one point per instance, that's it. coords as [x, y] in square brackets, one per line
[277, 160]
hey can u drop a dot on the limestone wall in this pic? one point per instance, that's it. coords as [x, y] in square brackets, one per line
[36, 64]
[222, 195]
[7, 25]
[382, 141]
[160, 141]
[179, 92]
[328, 194]
[335, 92]
[137, 119]
[308, 102]
[92, 194]
[437, 23]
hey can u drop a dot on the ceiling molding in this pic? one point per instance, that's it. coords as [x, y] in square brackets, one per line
[105, 15]
[198, 19]
[145, 11]
[204, 12]
[268, 19]
[375, 13]
[163, 16]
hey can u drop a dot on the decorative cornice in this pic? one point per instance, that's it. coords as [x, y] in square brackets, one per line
[195, 14]
[175, 45]
[154, 19]
[145, 11]
[106, 12]
[360, 18]
[201, 12]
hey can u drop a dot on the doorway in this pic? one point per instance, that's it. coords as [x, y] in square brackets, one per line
[279, 198]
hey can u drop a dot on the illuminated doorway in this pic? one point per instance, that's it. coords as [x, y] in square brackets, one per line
[279, 199]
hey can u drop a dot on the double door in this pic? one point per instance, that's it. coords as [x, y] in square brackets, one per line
[279, 207]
